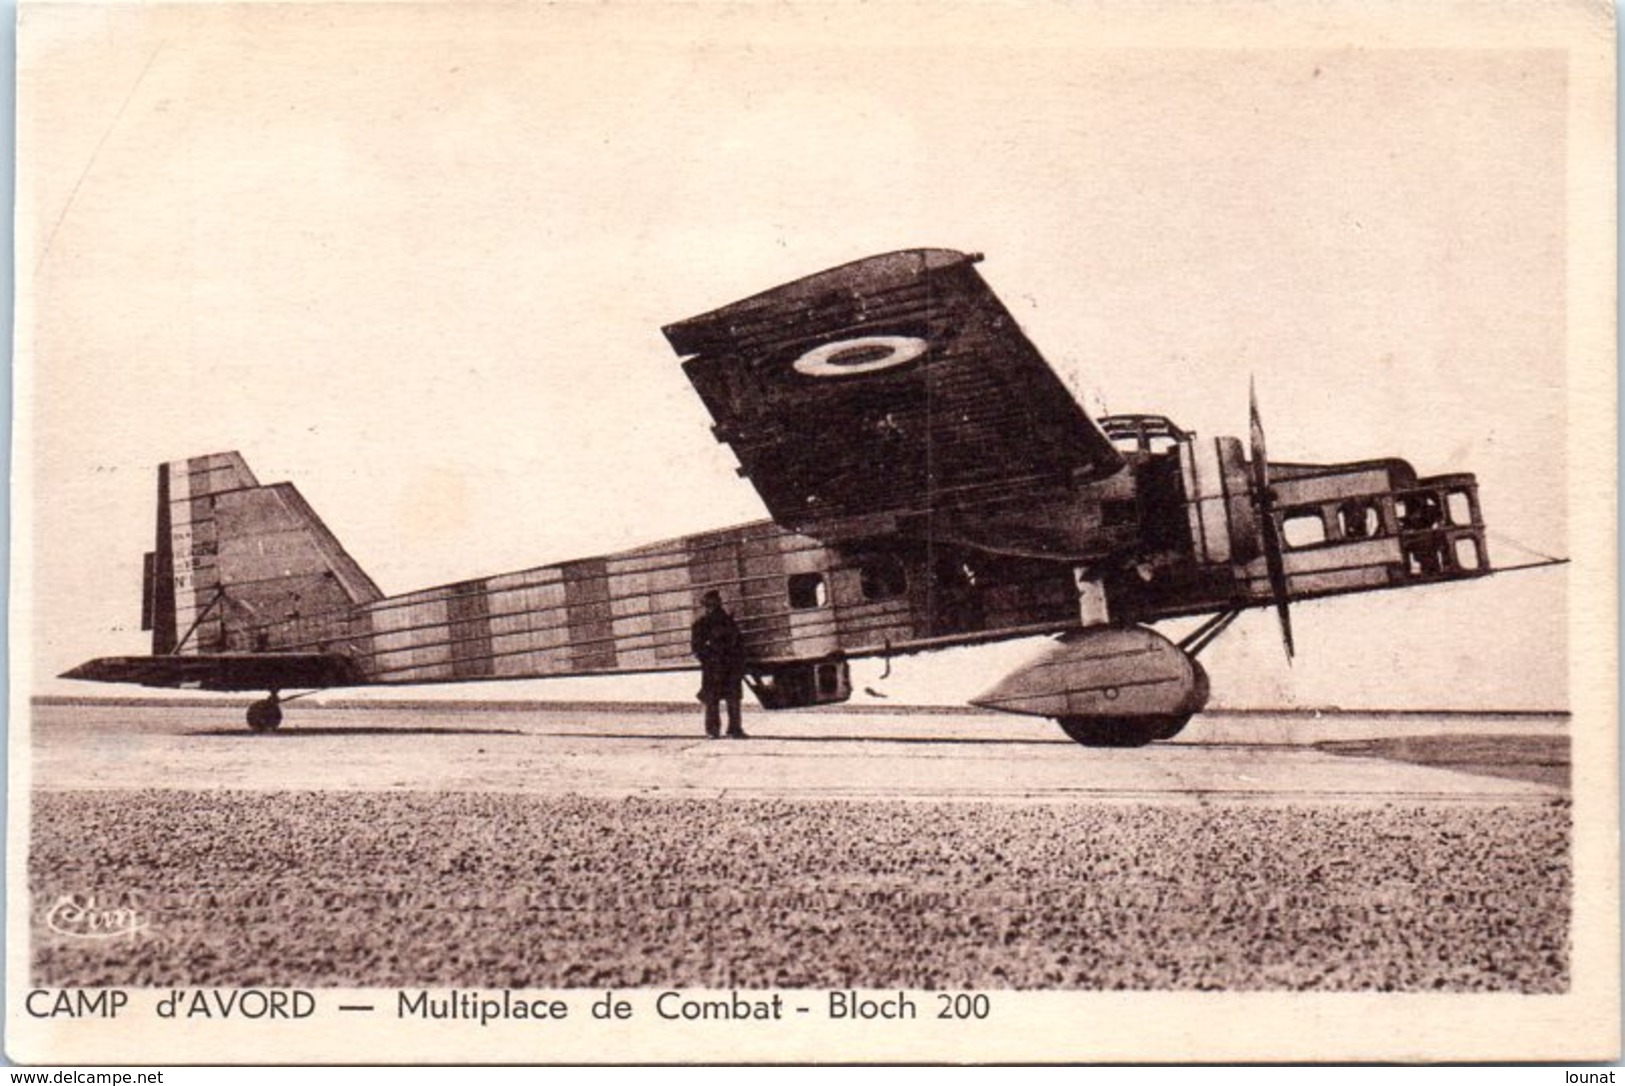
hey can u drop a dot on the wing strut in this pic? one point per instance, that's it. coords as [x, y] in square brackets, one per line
[1205, 634]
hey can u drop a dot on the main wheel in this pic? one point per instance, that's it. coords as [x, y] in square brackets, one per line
[1119, 731]
[263, 716]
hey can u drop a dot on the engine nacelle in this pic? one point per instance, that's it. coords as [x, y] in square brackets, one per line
[1127, 672]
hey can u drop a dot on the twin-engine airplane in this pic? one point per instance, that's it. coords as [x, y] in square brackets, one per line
[931, 483]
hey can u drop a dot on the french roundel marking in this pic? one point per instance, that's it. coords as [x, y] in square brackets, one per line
[864, 354]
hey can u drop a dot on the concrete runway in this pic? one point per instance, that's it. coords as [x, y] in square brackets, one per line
[824, 754]
[594, 847]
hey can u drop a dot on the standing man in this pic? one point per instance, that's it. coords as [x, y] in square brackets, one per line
[721, 652]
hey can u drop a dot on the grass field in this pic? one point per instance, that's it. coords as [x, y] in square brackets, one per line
[405, 888]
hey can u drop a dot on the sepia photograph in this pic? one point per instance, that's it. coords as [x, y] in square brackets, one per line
[813, 533]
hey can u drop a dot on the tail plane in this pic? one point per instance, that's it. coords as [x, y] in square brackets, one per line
[235, 566]
[235, 558]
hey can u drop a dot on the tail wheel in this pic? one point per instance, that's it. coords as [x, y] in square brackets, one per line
[264, 716]
[1119, 731]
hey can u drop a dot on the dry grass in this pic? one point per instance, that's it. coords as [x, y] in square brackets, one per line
[406, 889]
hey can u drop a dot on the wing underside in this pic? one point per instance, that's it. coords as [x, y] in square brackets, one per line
[888, 394]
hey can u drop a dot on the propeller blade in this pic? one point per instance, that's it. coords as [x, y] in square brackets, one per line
[1285, 615]
[1265, 499]
[1255, 426]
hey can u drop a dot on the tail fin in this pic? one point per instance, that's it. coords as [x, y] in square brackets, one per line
[238, 564]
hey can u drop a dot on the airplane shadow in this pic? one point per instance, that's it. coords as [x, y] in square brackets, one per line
[296, 732]
[1543, 759]
[242, 732]
[921, 740]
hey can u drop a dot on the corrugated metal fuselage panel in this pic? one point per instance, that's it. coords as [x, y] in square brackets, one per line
[278, 576]
[186, 567]
[794, 599]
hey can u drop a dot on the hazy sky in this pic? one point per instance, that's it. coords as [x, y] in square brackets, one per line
[416, 260]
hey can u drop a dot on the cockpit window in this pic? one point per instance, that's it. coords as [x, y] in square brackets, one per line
[1142, 433]
[1126, 442]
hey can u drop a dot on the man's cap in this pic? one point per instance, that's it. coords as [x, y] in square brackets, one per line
[711, 596]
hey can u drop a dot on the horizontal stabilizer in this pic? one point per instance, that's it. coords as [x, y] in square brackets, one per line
[223, 671]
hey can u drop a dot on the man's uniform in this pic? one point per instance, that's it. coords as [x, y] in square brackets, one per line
[720, 648]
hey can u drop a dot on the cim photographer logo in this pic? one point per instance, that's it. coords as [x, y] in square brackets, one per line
[85, 916]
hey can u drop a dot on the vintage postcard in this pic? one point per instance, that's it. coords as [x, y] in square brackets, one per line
[813, 532]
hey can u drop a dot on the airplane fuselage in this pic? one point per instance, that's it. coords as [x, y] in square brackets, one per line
[1182, 522]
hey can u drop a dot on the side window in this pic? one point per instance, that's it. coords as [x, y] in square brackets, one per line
[1419, 512]
[1303, 529]
[1459, 508]
[808, 590]
[882, 577]
[1358, 519]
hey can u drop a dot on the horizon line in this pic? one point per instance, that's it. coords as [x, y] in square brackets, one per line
[680, 706]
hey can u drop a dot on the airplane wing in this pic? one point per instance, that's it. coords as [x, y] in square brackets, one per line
[878, 396]
[223, 670]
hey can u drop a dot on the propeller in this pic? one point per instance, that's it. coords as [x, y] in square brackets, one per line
[1264, 498]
